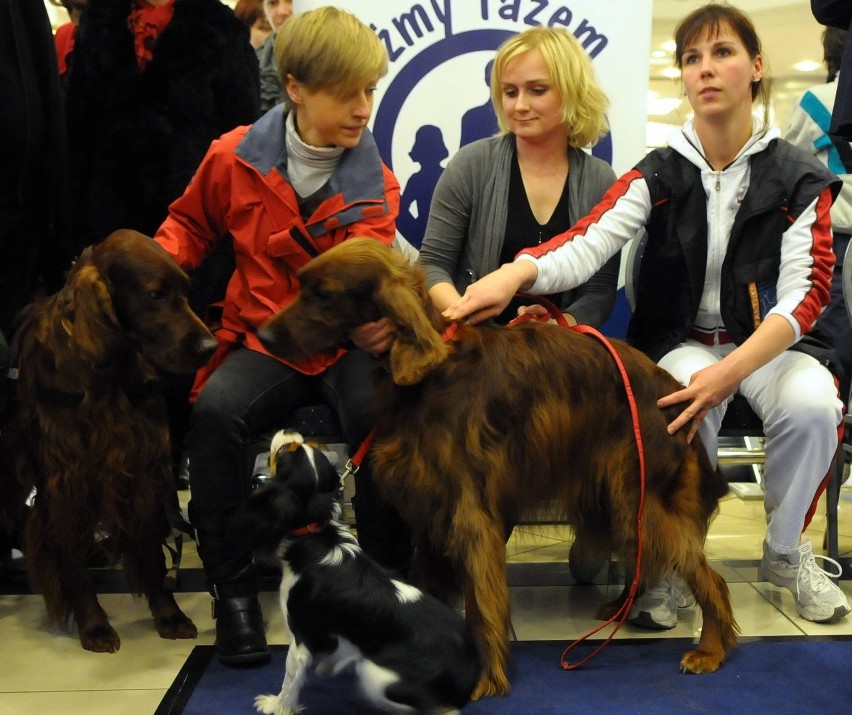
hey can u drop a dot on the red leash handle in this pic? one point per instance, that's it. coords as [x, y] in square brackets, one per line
[624, 611]
[554, 312]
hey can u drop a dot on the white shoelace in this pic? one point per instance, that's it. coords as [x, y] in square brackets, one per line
[818, 576]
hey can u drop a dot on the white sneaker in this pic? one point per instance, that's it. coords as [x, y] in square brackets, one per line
[818, 598]
[657, 607]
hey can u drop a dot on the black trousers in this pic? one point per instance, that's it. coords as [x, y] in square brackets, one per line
[252, 393]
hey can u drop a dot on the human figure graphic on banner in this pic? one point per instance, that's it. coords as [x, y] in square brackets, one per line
[480, 122]
[429, 151]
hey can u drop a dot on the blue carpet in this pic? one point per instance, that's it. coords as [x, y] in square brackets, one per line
[769, 675]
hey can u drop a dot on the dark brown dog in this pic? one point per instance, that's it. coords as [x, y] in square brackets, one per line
[92, 427]
[477, 429]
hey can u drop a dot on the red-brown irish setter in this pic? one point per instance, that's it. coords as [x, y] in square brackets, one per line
[92, 427]
[479, 428]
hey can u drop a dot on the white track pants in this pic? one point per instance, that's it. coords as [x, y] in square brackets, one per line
[796, 398]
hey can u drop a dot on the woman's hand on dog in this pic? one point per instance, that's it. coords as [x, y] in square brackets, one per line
[707, 389]
[375, 338]
[710, 386]
[489, 295]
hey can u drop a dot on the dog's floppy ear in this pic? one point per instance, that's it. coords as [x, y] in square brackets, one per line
[417, 348]
[327, 477]
[89, 316]
[267, 516]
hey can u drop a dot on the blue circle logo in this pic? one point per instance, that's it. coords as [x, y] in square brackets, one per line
[425, 142]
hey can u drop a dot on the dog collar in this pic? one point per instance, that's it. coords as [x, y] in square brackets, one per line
[311, 528]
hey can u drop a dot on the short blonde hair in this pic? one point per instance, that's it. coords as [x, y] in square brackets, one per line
[584, 103]
[328, 48]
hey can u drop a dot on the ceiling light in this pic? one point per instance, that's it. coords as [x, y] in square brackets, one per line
[807, 66]
[661, 106]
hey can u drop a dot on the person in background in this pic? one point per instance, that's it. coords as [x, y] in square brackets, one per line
[528, 183]
[65, 34]
[303, 178]
[36, 246]
[271, 91]
[838, 13]
[252, 14]
[153, 83]
[808, 129]
[36, 241]
[736, 271]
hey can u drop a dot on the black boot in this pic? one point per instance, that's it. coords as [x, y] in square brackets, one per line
[240, 636]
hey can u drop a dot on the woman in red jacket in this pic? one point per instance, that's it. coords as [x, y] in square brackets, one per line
[303, 178]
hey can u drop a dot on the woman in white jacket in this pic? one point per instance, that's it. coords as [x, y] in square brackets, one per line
[736, 271]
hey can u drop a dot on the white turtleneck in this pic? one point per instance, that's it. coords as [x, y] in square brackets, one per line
[308, 167]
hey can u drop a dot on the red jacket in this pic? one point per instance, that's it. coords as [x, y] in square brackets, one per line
[241, 188]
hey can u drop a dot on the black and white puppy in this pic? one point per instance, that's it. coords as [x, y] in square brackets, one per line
[411, 653]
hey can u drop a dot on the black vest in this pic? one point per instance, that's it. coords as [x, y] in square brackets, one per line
[784, 182]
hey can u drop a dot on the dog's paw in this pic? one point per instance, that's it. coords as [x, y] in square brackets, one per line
[274, 705]
[700, 662]
[490, 686]
[607, 610]
[100, 638]
[176, 626]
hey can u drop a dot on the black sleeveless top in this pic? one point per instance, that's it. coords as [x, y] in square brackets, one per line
[523, 230]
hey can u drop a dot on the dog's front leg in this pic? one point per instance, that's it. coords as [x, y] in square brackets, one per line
[287, 701]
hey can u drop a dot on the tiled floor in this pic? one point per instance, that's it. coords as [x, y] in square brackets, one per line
[43, 670]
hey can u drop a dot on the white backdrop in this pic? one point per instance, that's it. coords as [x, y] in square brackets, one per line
[439, 49]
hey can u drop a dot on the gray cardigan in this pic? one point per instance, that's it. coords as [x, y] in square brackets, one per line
[467, 222]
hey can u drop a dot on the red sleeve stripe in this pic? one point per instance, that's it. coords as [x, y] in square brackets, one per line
[610, 198]
[823, 263]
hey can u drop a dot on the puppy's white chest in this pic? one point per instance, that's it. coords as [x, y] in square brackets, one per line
[288, 580]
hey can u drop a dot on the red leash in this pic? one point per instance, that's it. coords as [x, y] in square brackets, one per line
[624, 611]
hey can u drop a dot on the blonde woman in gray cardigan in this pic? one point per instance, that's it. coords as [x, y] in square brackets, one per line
[529, 182]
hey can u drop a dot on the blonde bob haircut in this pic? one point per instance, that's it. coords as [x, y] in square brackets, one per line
[584, 103]
[330, 49]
